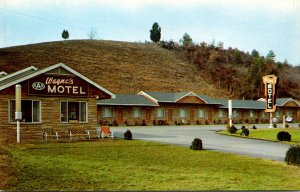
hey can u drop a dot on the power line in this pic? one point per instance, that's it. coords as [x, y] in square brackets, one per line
[42, 18]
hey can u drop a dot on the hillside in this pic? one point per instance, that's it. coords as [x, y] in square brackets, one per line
[237, 72]
[120, 67]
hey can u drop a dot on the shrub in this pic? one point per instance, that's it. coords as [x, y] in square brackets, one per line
[144, 123]
[292, 156]
[287, 126]
[284, 136]
[115, 123]
[128, 135]
[274, 125]
[245, 132]
[254, 127]
[243, 127]
[232, 129]
[197, 144]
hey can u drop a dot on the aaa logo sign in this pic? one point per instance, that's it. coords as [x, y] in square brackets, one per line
[38, 86]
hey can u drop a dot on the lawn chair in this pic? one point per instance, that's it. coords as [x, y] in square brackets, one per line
[106, 132]
[78, 131]
[49, 132]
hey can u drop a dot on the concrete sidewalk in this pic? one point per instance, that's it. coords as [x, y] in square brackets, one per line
[184, 135]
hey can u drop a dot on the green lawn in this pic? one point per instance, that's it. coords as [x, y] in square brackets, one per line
[139, 165]
[270, 134]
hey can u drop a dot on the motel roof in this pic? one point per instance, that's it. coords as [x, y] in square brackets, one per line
[174, 97]
[30, 72]
[242, 104]
[252, 104]
[283, 101]
[13, 77]
[2, 74]
[127, 100]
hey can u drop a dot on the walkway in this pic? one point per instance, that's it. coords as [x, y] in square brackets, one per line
[184, 135]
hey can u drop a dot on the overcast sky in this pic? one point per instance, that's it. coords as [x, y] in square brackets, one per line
[244, 24]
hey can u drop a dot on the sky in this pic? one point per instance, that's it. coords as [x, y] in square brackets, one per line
[262, 25]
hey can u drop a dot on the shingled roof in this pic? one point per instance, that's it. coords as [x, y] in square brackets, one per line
[127, 100]
[282, 101]
[174, 97]
[30, 72]
[242, 104]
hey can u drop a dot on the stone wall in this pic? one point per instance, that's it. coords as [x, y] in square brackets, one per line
[50, 116]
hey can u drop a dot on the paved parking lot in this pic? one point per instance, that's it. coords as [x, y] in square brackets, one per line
[184, 135]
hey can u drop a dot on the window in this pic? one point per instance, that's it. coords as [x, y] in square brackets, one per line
[289, 113]
[252, 113]
[31, 111]
[221, 113]
[73, 111]
[202, 113]
[264, 115]
[182, 113]
[107, 112]
[277, 114]
[160, 113]
[137, 112]
[235, 113]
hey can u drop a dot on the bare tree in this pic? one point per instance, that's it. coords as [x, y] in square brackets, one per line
[92, 33]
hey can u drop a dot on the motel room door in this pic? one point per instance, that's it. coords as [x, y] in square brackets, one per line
[192, 116]
[209, 116]
[148, 115]
[170, 115]
[120, 115]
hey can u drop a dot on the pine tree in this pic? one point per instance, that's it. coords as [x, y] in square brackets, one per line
[65, 34]
[186, 40]
[155, 33]
[271, 55]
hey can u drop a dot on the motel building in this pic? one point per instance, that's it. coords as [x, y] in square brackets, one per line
[188, 108]
[56, 96]
[60, 97]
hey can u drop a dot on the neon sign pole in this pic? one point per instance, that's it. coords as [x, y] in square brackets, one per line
[270, 82]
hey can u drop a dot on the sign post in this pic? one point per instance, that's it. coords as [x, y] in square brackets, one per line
[18, 113]
[270, 82]
[230, 112]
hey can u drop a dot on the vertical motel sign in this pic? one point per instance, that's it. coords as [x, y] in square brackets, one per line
[270, 82]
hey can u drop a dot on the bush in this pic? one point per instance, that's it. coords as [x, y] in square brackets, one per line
[232, 129]
[287, 125]
[292, 156]
[197, 144]
[128, 135]
[243, 127]
[274, 125]
[245, 132]
[284, 136]
[254, 127]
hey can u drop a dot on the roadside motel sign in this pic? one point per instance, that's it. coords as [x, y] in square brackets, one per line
[270, 82]
[52, 85]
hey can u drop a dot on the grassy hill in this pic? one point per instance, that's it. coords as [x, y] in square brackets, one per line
[120, 67]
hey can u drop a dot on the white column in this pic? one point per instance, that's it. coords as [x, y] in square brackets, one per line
[18, 113]
[271, 124]
[230, 112]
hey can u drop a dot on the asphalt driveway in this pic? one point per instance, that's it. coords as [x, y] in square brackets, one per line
[184, 135]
